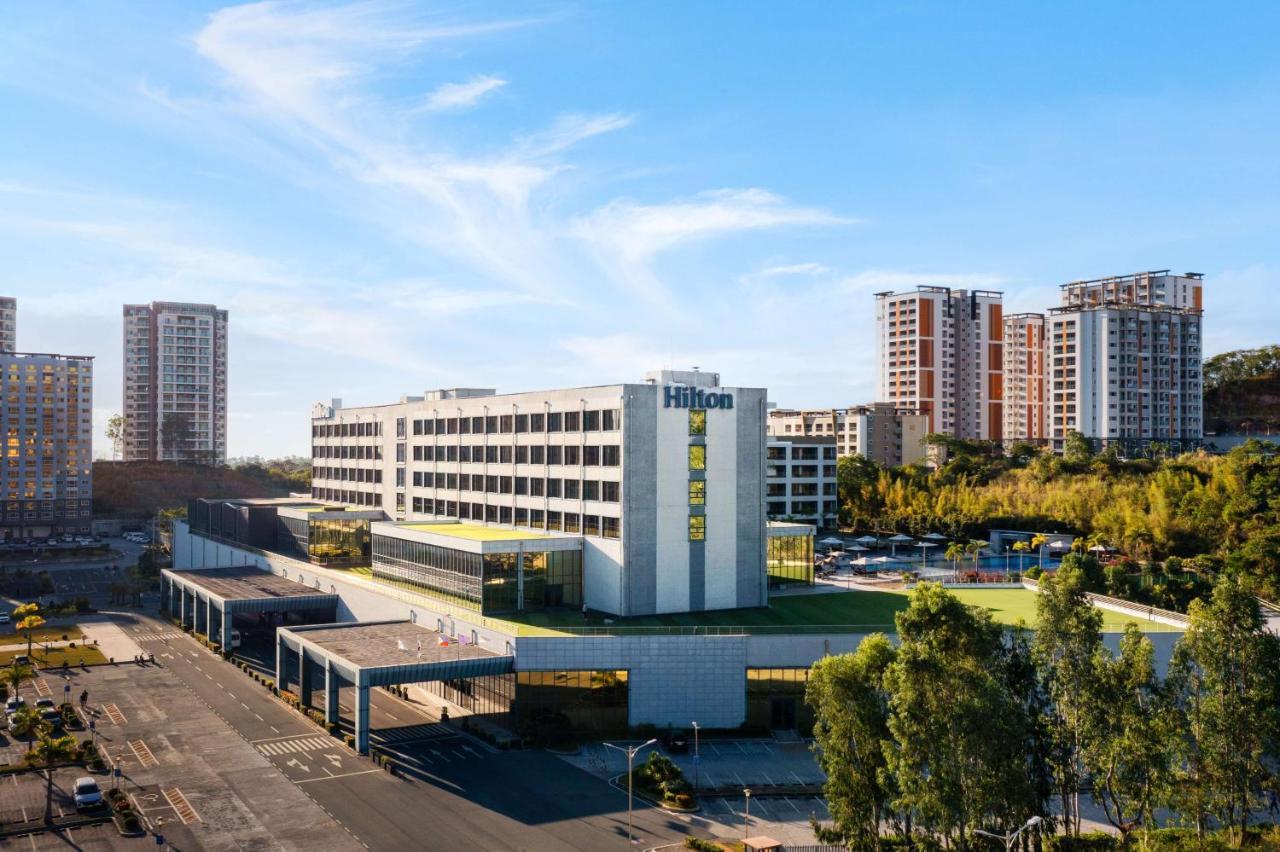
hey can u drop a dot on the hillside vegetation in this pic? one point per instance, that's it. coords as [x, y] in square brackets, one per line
[140, 489]
[1215, 511]
[1242, 391]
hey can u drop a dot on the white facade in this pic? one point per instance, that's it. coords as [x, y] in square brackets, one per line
[940, 353]
[664, 480]
[800, 480]
[175, 382]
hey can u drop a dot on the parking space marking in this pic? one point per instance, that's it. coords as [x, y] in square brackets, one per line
[342, 775]
[412, 733]
[114, 714]
[42, 688]
[144, 755]
[181, 806]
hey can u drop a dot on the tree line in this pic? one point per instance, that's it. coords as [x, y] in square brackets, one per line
[1214, 512]
[963, 727]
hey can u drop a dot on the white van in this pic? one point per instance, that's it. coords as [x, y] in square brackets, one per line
[235, 639]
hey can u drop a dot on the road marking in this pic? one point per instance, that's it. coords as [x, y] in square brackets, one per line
[181, 806]
[245, 706]
[299, 764]
[343, 775]
[42, 688]
[144, 755]
[114, 714]
[295, 745]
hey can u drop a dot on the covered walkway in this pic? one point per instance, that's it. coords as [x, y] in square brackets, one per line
[378, 653]
[207, 599]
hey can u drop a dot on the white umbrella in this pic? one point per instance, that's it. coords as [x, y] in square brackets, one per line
[881, 560]
[1099, 548]
[936, 537]
[867, 539]
[854, 548]
[831, 541]
[894, 541]
[1057, 544]
[924, 550]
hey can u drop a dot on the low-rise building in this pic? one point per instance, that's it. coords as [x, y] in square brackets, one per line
[881, 431]
[800, 480]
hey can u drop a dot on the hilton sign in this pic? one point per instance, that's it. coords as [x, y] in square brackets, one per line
[683, 397]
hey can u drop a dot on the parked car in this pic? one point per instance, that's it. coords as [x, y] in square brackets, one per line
[87, 794]
[54, 717]
[4, 618]
[13, 705]
[44, 703]
[22, 660]
[676, 742]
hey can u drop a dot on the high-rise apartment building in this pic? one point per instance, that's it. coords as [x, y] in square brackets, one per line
[800, 480]
[662, 482]
[940, 353]
[8, 324]
[1026, 382]
[1124, 360]
[881, 431]
[47, 479]
[175, 382]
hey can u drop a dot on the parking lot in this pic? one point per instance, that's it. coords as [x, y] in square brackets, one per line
[780, 775]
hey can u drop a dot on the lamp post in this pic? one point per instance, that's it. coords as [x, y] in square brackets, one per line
[1009, 838]
[746, 813]
[630, 752]
[697, 758]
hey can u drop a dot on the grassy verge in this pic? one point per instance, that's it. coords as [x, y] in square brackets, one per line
[49, 633]
[55, 656]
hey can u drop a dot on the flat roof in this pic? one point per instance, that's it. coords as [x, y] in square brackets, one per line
[475, 532]
[375, 644]
[245, 583]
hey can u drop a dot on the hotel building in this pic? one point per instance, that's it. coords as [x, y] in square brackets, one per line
[175, 382]
[1125, 361]
[47, 479]
[881, 431]
[660, 487]
[8, 324]
[1026, 381]
[940, 353]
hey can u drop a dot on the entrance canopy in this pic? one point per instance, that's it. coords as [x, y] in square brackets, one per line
[195, 597]
[377, 653]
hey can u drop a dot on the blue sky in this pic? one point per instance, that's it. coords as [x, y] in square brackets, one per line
[390, 197]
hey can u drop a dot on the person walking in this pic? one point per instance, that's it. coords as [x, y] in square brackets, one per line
[84, 698]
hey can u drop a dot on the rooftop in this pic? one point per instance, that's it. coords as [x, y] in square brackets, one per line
[475, 532]
[245, 583]
[374, 644]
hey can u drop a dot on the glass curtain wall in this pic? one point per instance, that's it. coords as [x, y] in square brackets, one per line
[291, 537]
[790, 559]
[563, 706]
[441, 571]
[775, 701]
[339, 542]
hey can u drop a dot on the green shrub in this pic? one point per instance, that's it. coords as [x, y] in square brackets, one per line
[700, 845]
[1095, 841]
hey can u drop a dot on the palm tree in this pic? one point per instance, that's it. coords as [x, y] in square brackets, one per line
[15, 676]
[1020, 547]
[28, 620]
[51, 751]
[25, 723]
[973, 548]
[1038, 541]
[955, 552]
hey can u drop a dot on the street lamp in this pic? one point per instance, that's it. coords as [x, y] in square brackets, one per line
[746, 813]
[631, 752]
[697, 759]
[1009, 838]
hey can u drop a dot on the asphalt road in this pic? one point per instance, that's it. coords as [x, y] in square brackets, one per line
[465, 795]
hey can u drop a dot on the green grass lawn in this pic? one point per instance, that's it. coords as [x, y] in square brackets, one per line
[49, 633]
[53, 659]
[852, 612]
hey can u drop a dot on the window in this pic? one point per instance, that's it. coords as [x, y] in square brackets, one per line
[554, 422]
[590, 490]
[522, 485]
[591, 525]
[609, 527]
[697, 457]
[609, 455]
[522, 423]
[537, 455]
[591, 421]
[554, 455]
[697, 421]
[609, 492]
[399, 427]
[697, 492]
[522, 455]
[536, 487]
[553, 488]
[571, 420]
[537, 422]
[572, 456]
[609, 419]
[591, 456]
[571, 489]
[697, 527]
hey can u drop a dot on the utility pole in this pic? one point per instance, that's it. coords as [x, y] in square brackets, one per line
[630, 752]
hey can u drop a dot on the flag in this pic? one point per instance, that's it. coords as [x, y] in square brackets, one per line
[419, 646]
[400, 645]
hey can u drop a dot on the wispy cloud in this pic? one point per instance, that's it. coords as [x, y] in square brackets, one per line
[792, 270]
[452, 96]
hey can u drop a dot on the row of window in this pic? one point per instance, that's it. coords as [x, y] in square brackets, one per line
[608, 455]
[601, 526]
[371, 429]
[602, 420]
[569, 489]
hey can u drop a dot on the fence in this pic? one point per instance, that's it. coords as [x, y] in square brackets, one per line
[1146, 613]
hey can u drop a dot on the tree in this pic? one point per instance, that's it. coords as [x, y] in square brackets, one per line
[16, 675]
[1067, 643]
[50, 751]
[1020, 548]
[1038, 541]
[1225, 682]
[1077, 449]
[28, 620]
[177, 436]
[955, 552]
[851, 709]
[115, 433]
[956, 749]
[1129, 755]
